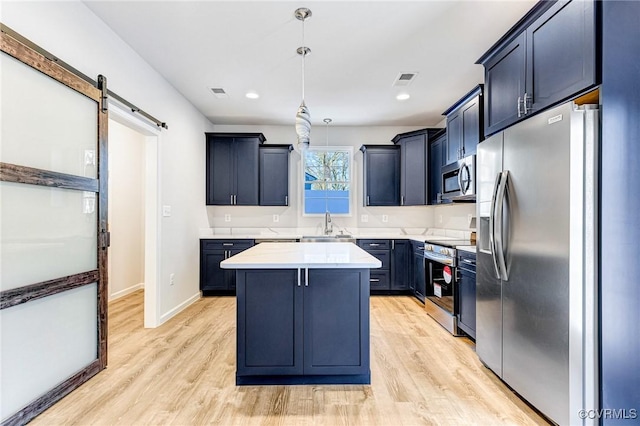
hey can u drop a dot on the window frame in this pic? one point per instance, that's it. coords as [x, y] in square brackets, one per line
[351, 181]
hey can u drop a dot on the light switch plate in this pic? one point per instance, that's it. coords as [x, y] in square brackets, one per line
[364, 218]
[276, 218]
[227, 218]
[385, 218]
[166, 211]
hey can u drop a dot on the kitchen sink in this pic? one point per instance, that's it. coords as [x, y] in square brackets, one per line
[343, 238]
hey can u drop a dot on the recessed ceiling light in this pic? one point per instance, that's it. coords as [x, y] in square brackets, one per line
[252, 95]
[403, 96]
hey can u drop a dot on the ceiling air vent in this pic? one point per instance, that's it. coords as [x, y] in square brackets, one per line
[405, 78]
[219, 92]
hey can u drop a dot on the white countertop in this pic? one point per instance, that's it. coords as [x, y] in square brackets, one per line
[302, 255]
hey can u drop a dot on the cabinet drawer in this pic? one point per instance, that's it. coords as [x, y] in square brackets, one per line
[374, 244]
[226, 244]
[379, 280]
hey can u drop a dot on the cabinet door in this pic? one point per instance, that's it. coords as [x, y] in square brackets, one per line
[437, 150]
[274, 176]
[331, 322]
[246, 162]
[400, 261]
[420, 282]
[454, 137]
[220, 172]
[467, 303]
[413, 182]
[561, 53]
[504, 84]
[269, 323]
[470, 127]
[382, 177]
[212, 277]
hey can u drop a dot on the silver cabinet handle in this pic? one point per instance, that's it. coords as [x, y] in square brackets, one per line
[525, 101]
[227, 244]
[299, 274]
[374, 280]
[306, 277]
[374, 245]
[402, 200]
[367, 200]
[286, 200]
[519, 109]
[393, 244]
[235, 200]
[231, 202]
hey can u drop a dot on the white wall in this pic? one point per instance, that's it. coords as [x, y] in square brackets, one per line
[291, 216]
[126, 210]
[72, 32]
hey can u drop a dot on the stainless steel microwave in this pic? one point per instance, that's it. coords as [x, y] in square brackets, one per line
[459, 180]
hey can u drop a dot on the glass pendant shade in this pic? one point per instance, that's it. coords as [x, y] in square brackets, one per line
[303, 126]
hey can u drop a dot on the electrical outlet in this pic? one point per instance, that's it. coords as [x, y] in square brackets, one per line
[385, 218]
[166, 211]
[227, 218]
[276, 218]
[172, 279]
[364, 218]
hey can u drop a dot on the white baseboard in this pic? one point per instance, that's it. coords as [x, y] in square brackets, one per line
[128, 290]
[181, 307]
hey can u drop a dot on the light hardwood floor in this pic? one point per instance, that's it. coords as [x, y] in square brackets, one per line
[183, 373]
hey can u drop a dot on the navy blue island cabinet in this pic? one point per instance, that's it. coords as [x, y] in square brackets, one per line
[302, 326]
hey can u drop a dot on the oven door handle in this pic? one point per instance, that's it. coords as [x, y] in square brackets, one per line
[502, 191]
[439, 259]
[492, 224]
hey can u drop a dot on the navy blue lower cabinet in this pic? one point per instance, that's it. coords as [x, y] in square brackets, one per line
[303, 327]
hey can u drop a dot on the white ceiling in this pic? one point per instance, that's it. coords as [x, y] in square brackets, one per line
[358, 49]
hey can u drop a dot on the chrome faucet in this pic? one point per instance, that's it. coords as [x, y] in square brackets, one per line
[328, 226]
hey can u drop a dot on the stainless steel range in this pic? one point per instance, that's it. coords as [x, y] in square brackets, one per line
[442, 276]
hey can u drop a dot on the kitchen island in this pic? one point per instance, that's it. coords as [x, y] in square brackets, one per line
[302, 313]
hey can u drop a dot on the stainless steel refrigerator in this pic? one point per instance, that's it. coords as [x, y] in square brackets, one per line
[536, 261]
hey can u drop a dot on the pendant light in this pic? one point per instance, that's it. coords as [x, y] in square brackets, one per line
[303, 118]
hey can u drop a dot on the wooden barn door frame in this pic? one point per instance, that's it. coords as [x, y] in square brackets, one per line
[28, 175]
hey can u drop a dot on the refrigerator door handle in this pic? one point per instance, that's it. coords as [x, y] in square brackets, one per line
[492, 224]
[499, 238]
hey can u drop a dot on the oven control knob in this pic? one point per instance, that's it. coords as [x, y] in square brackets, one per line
[444, 251]
[428, 247]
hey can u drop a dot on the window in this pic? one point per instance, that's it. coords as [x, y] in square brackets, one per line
[327, 180]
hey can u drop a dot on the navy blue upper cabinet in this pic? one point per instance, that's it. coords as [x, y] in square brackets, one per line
[464, 125]
[274, 175]
[232, 168]
[381, 175]
[414, 160]
[437, 159]
[454, 137]
[561, 53]
[504, 78]
[547, 57]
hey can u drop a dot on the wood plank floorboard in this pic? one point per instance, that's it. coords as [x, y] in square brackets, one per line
[183, 373]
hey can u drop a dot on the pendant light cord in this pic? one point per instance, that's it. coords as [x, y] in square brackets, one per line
[304, 54]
